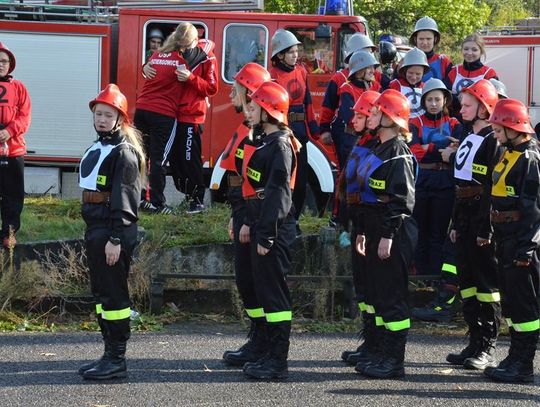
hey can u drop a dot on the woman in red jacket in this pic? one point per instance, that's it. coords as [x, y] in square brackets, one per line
[471, 70]
[196, 70]
[15, 113]
[155, 116]
[301, 116]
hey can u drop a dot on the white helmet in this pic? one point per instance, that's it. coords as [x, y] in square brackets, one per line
[156, 33]
[426, 24]
[435, 84]
[282, 40]
[360, 60]
[501, 88]
[357, 42]
[414, 57]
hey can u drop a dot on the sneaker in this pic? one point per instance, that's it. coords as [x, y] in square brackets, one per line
[163, 210]
[145, 205]
[195, 207]
[344, 239]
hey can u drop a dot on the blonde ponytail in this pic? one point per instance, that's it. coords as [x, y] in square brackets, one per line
[134, 137]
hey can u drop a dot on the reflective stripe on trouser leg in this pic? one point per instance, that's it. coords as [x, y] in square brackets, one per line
[255, 313]
[524, 326]
[274, 317]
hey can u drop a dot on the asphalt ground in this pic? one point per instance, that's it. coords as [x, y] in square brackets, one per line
[181, 367]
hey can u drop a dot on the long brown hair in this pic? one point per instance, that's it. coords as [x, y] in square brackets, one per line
[183, 36]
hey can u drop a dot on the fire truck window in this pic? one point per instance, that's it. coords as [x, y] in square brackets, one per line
[344, 36]
[242, 44]
[156, 33]
[315, 54]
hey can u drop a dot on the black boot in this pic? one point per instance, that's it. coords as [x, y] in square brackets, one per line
[509, 358]
[483, 357]
[520, 368]
[390, 366]
[106, 351]
[254, 349]
[374, 337]
[274, 365]
[90, 365]
[471, 313]
[490, 320]
[112, 366]
[440, 310]
[367, 322]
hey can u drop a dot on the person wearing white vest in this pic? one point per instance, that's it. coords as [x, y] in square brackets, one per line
[472, 230]
[111, 173]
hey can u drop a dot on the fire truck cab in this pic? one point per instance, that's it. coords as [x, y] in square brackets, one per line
[70, 49]
[515, 55]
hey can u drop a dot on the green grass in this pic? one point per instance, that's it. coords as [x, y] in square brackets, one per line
[48, 218]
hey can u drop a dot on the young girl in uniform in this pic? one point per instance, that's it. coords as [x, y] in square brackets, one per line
[515, 198]
[471, 70]
[471, 229]
[111, 174]
[413, 67]
[301, 117]
[268, 174]
[386, 230]
[246, 81]
[349, 191]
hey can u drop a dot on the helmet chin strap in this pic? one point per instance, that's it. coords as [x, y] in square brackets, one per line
[110, 133]
[381, 126]
[509, 141]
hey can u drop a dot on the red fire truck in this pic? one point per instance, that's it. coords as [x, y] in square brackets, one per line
[66, 52]
[515, 54]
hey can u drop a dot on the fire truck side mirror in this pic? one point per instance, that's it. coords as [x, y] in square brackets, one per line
[323, 31]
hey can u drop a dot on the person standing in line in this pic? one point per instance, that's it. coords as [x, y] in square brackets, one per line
[386, 231]
[155, 114]
[349, 191]
[362, 68]
[246, 81]
[432, 131]
[15, 118]
[471, 228]
[426, 37]
[111, 174]
[471, 70]
[515, 198]
[301, 117]
[442, 308]
[268, 181]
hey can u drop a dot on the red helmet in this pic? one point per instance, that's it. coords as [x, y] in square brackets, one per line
[485, 93]
[513, 114]
[112, 96]
[252, 75]
[10, 55]
[365, 102]
[273, 98]
[396, 106]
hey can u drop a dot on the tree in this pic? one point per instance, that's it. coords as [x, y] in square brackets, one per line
[506, 12]
[454, 18]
